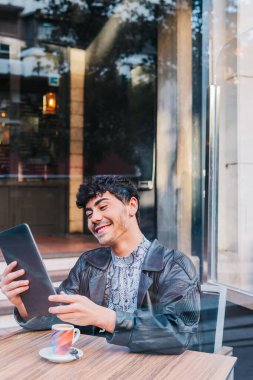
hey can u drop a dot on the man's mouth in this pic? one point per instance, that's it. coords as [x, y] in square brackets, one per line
[100, 229]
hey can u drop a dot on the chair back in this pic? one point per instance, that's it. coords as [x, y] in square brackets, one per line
[212, 315]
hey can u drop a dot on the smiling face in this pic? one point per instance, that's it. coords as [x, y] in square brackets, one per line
[109, 219]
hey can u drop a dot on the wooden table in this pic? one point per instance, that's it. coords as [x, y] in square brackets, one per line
[19, 359]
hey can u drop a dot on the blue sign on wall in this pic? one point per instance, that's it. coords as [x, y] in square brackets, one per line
[54, 81]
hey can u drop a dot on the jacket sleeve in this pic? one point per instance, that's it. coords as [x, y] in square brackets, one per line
[168, 325]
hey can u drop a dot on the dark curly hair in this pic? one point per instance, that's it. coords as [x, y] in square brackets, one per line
[121, 187]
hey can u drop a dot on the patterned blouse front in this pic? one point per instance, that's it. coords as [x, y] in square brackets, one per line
[123, 279]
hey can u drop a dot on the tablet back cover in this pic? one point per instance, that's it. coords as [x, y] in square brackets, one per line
[18, 244]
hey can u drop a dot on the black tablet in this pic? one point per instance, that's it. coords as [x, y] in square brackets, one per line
[18, 244]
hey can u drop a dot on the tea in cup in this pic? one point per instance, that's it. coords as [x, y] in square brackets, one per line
[63, 337]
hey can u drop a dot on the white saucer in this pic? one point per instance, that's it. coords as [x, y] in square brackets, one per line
[47, 353]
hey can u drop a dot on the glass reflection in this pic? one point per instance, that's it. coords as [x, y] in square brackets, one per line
[235, 208]
[121, 75]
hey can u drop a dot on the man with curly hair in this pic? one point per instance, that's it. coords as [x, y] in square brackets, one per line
[135, 292]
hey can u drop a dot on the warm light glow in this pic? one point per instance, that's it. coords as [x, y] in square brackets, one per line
[3, 114]
[49, 103]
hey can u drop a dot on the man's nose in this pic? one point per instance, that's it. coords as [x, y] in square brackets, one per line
[96, 216]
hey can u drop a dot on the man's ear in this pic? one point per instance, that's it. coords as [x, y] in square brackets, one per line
[133, 206]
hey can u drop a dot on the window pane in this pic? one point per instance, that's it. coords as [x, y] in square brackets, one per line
[233, 74]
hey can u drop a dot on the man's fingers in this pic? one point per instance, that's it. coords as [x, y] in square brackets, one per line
[15, 284]
[12, 276]
[17, 291]
[63, 309]
[64, 298]
[69, 317]
[9, 268]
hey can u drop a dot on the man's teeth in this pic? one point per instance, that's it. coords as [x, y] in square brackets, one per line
[101, 228]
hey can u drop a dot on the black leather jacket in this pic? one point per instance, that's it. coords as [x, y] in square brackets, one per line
[168, 300]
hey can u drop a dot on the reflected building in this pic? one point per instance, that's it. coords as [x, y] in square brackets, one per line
[72, 105]
[34, 130]
[105, 69]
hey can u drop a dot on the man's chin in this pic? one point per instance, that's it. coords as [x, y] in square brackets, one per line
[103, 240]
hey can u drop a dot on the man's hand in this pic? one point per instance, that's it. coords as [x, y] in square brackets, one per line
[81, 311]
[12, 287]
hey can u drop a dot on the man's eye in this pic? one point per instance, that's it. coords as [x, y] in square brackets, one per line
[88, 215]
[103, 207]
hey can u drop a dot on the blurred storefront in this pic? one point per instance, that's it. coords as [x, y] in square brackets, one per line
[155, 90]
[73, 76]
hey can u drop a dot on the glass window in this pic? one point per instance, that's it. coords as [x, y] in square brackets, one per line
[120, 98]
[98, 87]
[232, 75]
[78, 97]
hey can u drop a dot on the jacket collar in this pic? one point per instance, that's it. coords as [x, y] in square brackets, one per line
[153, 260]
[101, 257]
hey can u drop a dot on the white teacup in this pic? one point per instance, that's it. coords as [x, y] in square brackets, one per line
[63, 337]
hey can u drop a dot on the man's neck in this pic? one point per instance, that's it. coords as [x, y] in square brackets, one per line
[127, 244]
